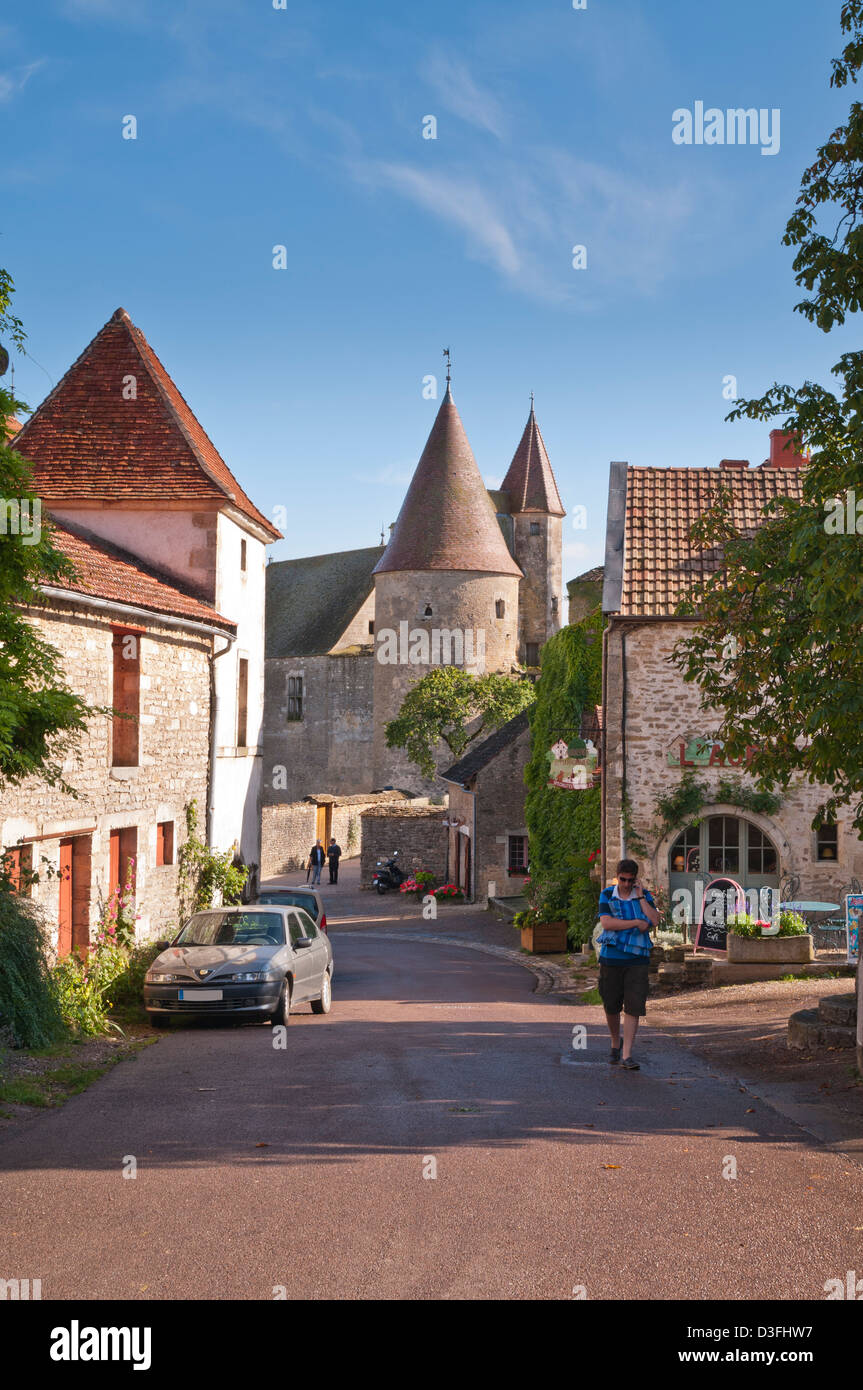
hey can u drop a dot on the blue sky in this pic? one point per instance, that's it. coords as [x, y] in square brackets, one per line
[303, 127]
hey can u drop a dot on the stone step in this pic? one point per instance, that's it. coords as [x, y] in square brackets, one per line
[807, 1030]
[839, 1008]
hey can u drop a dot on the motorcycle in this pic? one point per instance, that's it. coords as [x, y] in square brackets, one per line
[388, 875]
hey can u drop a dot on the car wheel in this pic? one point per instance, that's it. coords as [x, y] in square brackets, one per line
[282, 1013]
[322, 1005]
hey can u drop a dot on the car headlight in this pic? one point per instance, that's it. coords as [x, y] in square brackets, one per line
[155, 977]
[243, 976]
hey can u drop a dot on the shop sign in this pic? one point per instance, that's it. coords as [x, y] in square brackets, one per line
[705, 752]
[571, 765]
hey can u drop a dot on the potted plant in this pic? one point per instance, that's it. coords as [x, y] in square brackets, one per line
[543, 925]
[747, 945]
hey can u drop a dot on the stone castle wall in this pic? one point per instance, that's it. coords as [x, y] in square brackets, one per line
[330, 748]
[540, 557]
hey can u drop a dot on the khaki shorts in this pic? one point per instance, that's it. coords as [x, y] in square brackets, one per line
[623, 985]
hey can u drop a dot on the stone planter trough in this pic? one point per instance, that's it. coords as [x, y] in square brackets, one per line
[769, 950]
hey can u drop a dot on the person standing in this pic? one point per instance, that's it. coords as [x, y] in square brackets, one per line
[334, 854]
[627, 913]
[316, 861]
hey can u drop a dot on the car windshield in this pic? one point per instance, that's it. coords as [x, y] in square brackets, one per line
[233, 929]
[290, 899]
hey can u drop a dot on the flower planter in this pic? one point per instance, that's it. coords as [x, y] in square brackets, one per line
[545, 938]
[769, 950]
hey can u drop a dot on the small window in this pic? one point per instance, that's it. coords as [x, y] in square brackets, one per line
[517, 854]
[243, 556]
[554, 604]
[427, 612]
[531, 653]
[242, 702]
[18, 870]
[371, 628]
[165, 842]
[295, 697]
[499, 608]
[535, 528]
[828, 842]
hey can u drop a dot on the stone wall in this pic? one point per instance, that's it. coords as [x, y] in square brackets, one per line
[459, 601]
[174, 752]
[418, 835]
[330, 748]
[500, 793]
[661, 709]
[289, 831]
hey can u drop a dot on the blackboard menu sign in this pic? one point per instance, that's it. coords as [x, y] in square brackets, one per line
[712, 934]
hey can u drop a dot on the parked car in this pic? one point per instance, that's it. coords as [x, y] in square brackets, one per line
[307, 898]
[256, 961]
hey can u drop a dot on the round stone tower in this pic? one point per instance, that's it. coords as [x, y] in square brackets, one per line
[446, 587]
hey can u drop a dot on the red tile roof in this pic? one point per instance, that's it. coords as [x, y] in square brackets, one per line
[447, 521]
[530, 481]
[105, 571]
[660, 564]
[87, 441]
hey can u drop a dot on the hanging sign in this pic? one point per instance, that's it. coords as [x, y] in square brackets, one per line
[571, 765]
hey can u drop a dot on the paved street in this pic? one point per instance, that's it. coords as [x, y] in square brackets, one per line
[303, 1168]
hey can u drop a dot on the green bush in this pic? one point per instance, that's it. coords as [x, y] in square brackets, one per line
[128, 987]
[28, 1004]
[83, 988]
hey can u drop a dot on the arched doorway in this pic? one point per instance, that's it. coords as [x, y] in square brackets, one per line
[722, 846]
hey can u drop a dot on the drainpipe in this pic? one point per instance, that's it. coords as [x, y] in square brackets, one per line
[214, 719]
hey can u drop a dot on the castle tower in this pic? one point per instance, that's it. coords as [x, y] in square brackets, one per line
[537, 514]
[446, 587]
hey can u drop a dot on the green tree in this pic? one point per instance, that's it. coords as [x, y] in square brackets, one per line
[40, 717]
[778, 650]
[564, 827]
[453, 707]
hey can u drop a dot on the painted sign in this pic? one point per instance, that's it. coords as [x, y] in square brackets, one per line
[853, 914]
[571, 765]
[705, 752]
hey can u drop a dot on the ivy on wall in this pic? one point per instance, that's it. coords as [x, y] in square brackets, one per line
[681, 805]
[564, 826]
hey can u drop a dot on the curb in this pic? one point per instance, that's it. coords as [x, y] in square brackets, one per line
[549, 976]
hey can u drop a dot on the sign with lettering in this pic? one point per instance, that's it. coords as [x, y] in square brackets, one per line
[702, 751]
[572, 765]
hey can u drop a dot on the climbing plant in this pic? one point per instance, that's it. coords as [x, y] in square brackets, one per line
[681, 804]
[204, 873]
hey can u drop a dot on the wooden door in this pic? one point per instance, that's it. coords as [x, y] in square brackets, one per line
[64, 939]
[324, 824]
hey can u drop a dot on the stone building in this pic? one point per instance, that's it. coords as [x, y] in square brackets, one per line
[117, 451]
[655, 732]
[487, 833]
[129, 640]
[468, 578]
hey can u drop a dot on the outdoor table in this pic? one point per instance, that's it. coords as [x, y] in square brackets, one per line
[809, 907]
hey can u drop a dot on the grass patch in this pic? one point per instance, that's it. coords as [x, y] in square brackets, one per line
[53, 1085]
[590, 996]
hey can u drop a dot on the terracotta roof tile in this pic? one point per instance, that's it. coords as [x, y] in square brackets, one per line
[105, 571]
[660, 564]
[87, 441]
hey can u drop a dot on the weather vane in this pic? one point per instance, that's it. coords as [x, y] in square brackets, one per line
[446, 353]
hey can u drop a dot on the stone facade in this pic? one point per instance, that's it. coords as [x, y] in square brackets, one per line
[660, 710]
[174, 745]
[538, 548]
[459, 601]
[491, 812]
[331, 746]
[418, 834]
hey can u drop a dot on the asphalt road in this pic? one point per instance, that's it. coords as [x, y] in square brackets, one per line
[303, 1168]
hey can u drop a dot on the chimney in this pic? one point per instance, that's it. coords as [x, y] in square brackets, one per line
[780, 457]
[736, 464]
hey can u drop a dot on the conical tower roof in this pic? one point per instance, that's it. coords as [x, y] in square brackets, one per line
[447, 521]
[529, 480]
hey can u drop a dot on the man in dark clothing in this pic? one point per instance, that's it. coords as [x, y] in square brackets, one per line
[316, 862]
[626, 914]
[334, 854]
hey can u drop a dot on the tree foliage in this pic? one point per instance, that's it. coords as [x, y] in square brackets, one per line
[564, 826]
[778, 650]
[452, 707]
[40, 717]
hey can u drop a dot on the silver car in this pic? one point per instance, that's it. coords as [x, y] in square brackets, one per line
[242, 961]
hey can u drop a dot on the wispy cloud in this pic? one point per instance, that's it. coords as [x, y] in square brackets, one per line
[12, 82]
[458, 92]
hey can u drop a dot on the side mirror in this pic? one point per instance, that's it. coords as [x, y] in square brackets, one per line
[163, 945]
[301, 942]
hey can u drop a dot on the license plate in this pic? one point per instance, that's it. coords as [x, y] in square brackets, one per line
[205, 995]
